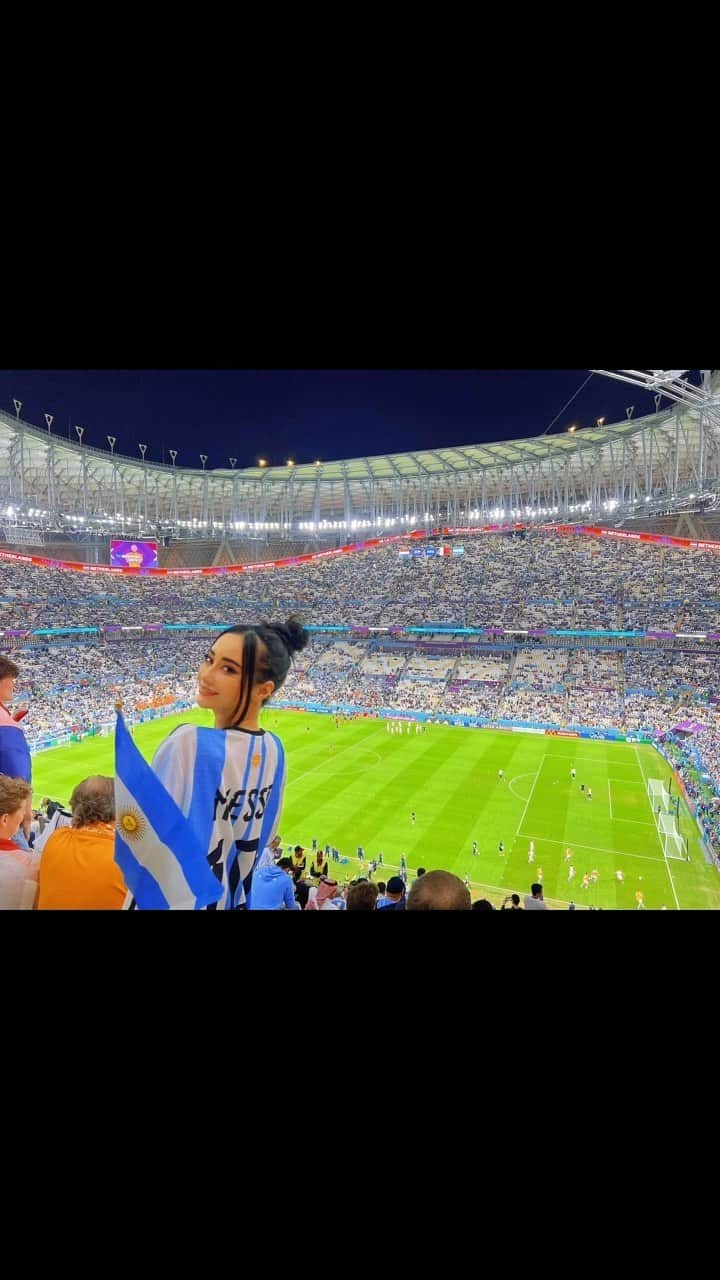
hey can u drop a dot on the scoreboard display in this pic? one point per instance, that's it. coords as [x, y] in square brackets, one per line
[432, 552]
[133, 555]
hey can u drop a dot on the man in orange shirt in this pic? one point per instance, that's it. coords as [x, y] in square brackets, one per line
[77, 868]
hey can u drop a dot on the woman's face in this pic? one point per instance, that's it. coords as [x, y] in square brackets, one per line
[220, 678]
[220, 681]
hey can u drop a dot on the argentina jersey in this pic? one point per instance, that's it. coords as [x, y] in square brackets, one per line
[229, 784]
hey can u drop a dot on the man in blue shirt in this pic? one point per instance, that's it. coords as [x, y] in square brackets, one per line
[396, 894]
[272, 888]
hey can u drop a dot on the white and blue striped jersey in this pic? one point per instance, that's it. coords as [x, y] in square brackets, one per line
[229, 784]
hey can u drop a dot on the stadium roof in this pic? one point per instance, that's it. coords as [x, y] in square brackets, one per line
[449, 461]
[455, 460]
[46, 478]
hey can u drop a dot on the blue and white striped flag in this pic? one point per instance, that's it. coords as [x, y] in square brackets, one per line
[162, 860]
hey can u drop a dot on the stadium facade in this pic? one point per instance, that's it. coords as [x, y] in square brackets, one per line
[659, 472]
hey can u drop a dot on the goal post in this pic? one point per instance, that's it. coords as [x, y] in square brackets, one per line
[670, 838]
[666, 814]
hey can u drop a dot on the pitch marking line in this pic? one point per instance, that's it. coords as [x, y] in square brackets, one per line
[616, 764]
[537, 775]
[667, 866]
[517, 778]
[616, 853]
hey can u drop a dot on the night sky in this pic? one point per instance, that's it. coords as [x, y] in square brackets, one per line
[309, 414]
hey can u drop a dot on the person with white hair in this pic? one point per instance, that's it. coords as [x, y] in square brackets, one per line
[270, 853]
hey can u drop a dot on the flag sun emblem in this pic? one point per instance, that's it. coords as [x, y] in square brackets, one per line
[131, 824]
[256, 759]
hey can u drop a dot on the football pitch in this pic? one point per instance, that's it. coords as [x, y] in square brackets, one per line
[358, 785]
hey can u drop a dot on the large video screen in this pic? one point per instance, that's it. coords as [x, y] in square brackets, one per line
[133, 555]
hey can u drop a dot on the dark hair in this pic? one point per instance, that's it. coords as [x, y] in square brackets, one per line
[421, 871]
[8, 668]
[535, 889]
[482, 904]
[515, 897]
[285, 863]
[381, 886]
[267, 651]
[302, 892]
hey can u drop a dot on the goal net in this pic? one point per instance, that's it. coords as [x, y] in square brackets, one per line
[673, 845]
[659, 797]
[670, 839]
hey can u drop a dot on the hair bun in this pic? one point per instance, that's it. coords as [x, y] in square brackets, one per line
[291, 634]
[297, 636]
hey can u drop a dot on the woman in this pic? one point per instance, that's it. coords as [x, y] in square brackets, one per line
[229, 780]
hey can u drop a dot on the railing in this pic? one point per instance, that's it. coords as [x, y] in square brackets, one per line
[105, 727]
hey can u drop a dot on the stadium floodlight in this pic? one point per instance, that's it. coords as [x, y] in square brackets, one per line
[111, 441]
[18, 407]
[49, 419]
[203, 459]
[80, 433]
[232, 462]
[173, 454]
[143, 450]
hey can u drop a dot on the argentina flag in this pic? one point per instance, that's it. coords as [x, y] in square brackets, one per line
[162, 858]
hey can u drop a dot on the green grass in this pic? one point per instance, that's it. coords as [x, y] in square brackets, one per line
[363, 791]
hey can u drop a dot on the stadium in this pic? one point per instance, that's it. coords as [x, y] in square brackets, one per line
[511, 667]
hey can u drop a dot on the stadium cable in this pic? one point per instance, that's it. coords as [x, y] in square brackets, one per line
[573, 396]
